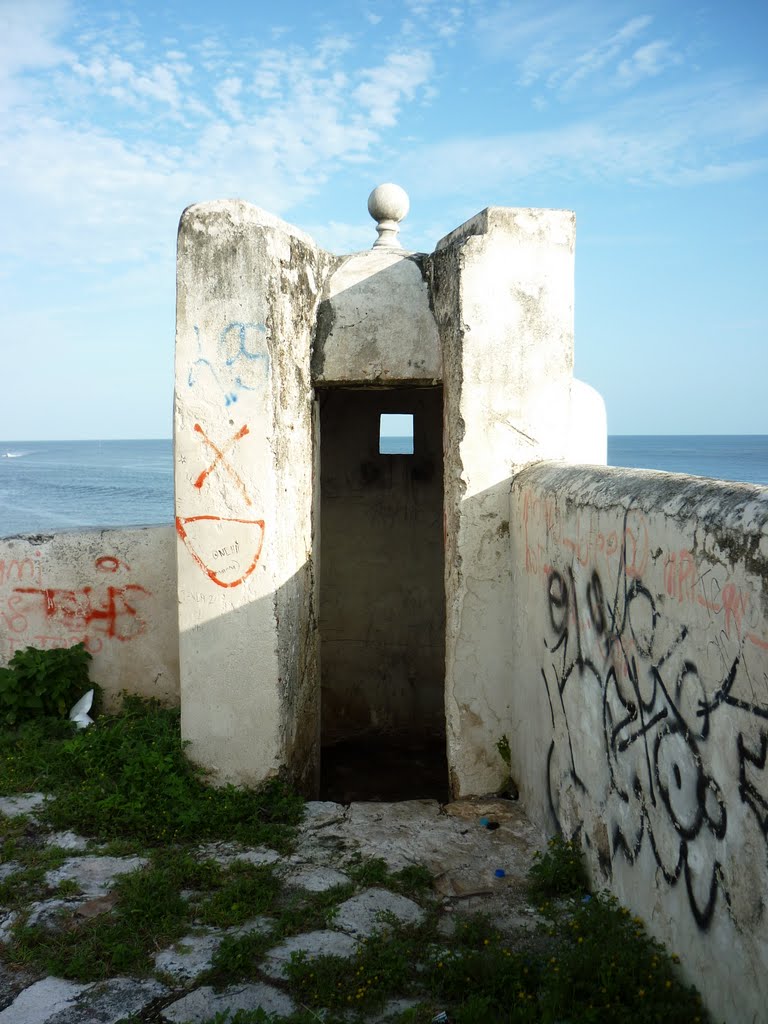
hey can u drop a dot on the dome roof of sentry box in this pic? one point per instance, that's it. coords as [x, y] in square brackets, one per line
[375, 324]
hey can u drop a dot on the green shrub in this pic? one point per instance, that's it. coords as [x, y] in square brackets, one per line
[38, 683]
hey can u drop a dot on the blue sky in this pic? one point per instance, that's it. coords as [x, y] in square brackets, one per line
[649, 120]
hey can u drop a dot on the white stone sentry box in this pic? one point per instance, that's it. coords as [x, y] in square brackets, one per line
[330, 591]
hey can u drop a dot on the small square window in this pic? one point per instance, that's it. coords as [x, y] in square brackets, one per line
[396, 433]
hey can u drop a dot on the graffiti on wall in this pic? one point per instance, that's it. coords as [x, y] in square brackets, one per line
[225, 566]
[238, 362]
[34, 613]
[661, 723]
[227, 549]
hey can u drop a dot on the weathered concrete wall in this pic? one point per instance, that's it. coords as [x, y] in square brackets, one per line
[113, 590]
[374, 324]
[382, 605]
[638, 702]
[247, 290]
[502, 292]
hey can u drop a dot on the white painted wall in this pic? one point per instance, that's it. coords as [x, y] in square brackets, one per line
[638, 705]
[113, 590]
[247, 290]
[502, 291]
[587, 441]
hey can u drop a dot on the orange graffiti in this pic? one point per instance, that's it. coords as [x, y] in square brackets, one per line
[108, 563]
[221, 460]
[113, 613]
[181, 528]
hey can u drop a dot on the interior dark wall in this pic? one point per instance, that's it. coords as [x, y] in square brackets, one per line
[382, 604]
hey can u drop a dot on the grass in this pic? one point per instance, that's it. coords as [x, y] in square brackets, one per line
[130, 778]
[127, 784]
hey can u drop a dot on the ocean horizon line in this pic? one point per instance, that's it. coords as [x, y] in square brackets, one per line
[138, 440]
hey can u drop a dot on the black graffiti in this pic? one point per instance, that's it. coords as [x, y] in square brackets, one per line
[657, 715]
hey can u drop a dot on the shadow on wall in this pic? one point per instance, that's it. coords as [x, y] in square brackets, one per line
[375, 323]
[271, 725]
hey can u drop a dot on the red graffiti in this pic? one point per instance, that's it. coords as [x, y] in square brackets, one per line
[220, 460]
[80, 611]
[182, 528]
[735, 606]
[108, 563]
[20, 569]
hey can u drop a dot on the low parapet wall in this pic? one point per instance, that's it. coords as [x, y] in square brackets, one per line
[638, 710]
[113, 590]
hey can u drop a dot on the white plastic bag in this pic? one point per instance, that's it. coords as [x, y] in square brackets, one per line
[79, 712]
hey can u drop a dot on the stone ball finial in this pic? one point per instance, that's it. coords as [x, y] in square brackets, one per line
[388, 204]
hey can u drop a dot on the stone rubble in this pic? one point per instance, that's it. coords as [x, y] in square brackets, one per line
[462, 855]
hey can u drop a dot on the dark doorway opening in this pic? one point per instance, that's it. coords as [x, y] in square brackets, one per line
[382, 603]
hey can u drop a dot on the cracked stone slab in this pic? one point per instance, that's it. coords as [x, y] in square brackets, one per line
[49, 914]
[39, 1003]
[23, 803]
[7, 921]
[319, 943]
[94, 875]
[111, 1001]
[319, 813]
[411, 813]
[12, 982]
[188, 958]
[315, 878]
[362, 914]
[9, 868]
[67, 841]
[203, 1004]
[451, 842]
[227, 853]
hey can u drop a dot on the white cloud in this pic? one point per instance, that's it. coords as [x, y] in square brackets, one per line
[573, 44]
[648, 61]
[124, 137]
[384, 88]
[28, 34]
[28, 42]
[227, 92]
[684, 136]
[340, 237]
[596, 58]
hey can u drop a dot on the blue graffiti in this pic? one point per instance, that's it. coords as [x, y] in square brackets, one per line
[232, 348]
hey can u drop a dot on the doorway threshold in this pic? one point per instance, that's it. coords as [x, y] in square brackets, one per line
[386, 768]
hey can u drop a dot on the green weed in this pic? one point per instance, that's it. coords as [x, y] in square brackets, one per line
[247, 890]
[413, 880]
[31, 755]
[559, 871]
[150, 913]
[128, 776]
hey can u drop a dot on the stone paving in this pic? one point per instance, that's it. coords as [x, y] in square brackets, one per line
[466, 859]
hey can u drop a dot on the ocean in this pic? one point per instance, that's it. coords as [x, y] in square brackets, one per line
[48, 486]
